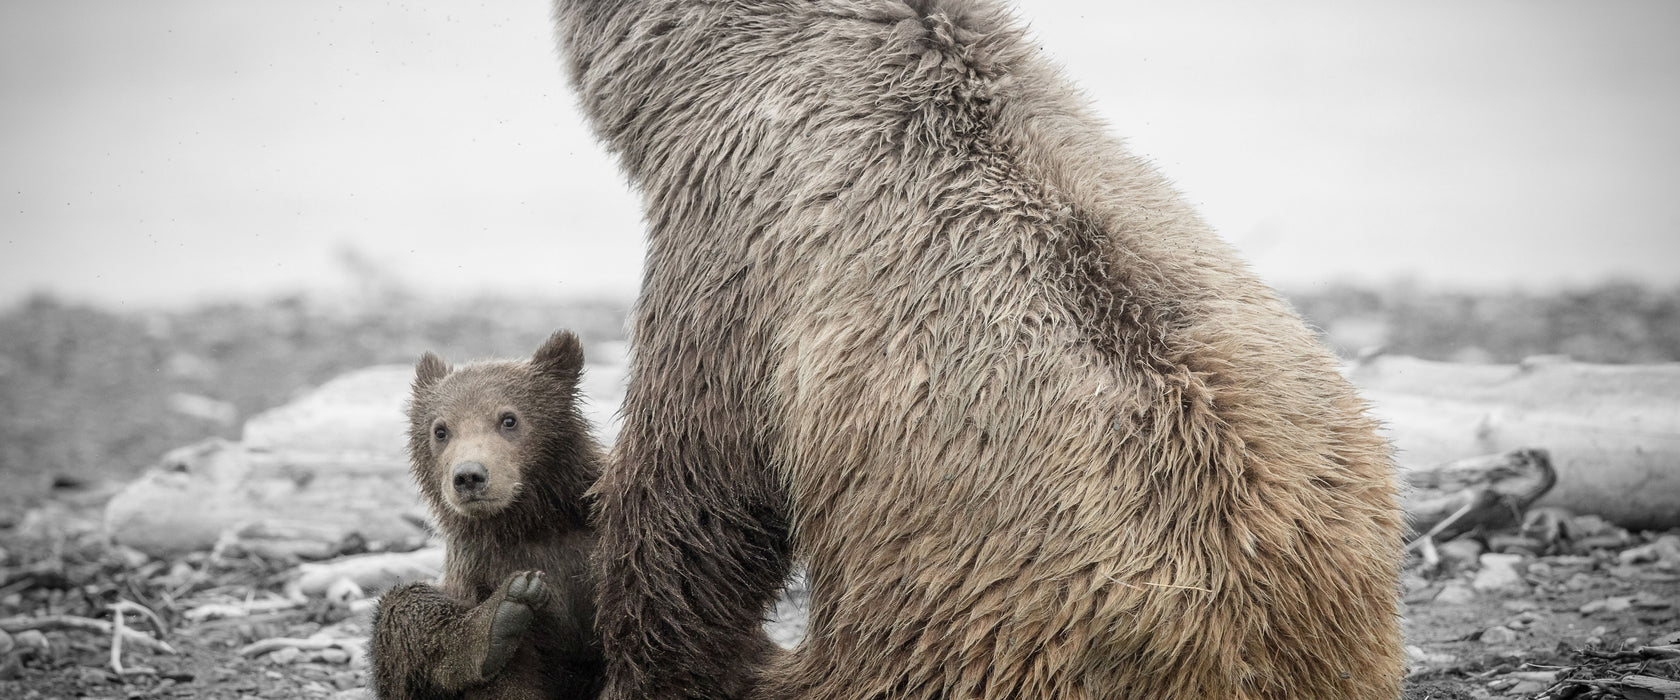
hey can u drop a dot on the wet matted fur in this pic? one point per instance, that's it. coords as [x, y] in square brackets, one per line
[911, 316]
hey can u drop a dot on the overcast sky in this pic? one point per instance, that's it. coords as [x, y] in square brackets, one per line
[169, 151]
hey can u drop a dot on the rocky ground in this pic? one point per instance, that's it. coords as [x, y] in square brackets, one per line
[1574, 608]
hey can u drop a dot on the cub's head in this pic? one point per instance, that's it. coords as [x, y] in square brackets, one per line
[499, 441]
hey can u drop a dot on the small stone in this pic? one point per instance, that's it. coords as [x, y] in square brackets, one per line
[6, 643]
[333, 656]
[1531, 683]
[1455, 593]
[1665, 553]
[1498, 634]
[131, 558]
[32, 639]
[1499, 574]
[1589, 526]
[1418, 655]
[1596, 637]
[284, 656]
[1459, 554]
[1520, 606]
[91, 675]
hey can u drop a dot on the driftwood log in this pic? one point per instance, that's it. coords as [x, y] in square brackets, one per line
[1489, 492]
[1612, 431]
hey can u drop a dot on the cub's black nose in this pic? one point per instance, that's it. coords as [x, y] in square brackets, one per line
[471, 478]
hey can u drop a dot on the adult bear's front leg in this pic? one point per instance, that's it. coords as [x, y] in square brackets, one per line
[693, 541]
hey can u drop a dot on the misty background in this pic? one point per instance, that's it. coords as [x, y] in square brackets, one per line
[175, 151]
[208, 207]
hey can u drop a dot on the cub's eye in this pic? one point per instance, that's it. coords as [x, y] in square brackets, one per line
[441, 433]
[508, 421]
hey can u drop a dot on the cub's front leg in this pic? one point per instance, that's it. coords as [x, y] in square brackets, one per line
[427, 644]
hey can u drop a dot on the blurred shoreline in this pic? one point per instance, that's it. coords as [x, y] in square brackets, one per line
[91, 393]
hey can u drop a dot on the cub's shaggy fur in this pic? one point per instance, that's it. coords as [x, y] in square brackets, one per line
[504, 458]
[911, 316]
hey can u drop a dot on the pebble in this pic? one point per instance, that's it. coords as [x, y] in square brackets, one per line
[1590, 525]
[1459, 554]
[132, 558]
[1498, 634]
[333, 656]
[33, 639]
[1531, 683]
[1596, 637]
[1665, 553]
[1499, 574]
[283, 656]
[90, 675]
[1455, 593]
[1416, 654]
[6, 643]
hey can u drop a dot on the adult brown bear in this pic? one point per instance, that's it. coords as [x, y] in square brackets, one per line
[910, 316]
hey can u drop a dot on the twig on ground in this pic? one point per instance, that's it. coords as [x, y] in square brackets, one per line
[118, 630]
[260, 647]
[72, 622]
[116, 639]
[211, 611]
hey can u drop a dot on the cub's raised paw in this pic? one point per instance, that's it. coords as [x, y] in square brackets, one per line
[520, 595]
[528, 587]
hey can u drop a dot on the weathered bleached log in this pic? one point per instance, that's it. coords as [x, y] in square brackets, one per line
[332, 460]
[1491, 491]
[1613, 431]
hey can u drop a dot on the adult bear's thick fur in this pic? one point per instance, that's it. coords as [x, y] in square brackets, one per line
[909, 315]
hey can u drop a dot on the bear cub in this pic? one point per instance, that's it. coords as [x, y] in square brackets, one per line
[503, 457]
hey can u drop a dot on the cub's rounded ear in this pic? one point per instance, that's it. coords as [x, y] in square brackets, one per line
[561, 355]
[429, 370]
